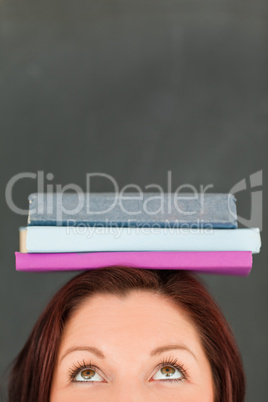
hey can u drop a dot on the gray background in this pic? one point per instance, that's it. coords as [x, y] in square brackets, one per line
[134, 89]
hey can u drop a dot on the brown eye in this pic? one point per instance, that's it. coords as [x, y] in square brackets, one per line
[87, 374]
[168, 371]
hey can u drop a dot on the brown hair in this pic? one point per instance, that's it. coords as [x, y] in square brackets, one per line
[31, 376]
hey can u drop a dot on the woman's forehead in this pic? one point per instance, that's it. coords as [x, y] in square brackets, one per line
[140, 317]
[136, 304]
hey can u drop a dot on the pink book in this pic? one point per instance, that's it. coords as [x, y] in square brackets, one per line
[216, 262]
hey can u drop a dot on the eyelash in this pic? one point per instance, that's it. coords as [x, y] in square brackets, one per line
[79, 367]
[171, 361]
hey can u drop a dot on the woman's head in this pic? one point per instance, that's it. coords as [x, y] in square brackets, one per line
[129, 334]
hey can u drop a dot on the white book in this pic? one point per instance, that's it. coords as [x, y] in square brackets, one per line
[56, 239]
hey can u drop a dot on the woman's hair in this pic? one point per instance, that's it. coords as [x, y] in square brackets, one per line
[31, 375]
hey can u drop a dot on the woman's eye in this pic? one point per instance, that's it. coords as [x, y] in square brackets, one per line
[168, 372]
[88, 374]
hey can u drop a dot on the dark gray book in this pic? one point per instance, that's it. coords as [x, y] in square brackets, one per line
[163, 210]
[133, 210]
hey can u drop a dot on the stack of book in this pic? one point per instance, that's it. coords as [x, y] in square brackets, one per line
[140, 230]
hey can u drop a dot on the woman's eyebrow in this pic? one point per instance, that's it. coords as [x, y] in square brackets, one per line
[95, 351]
[166, 348]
